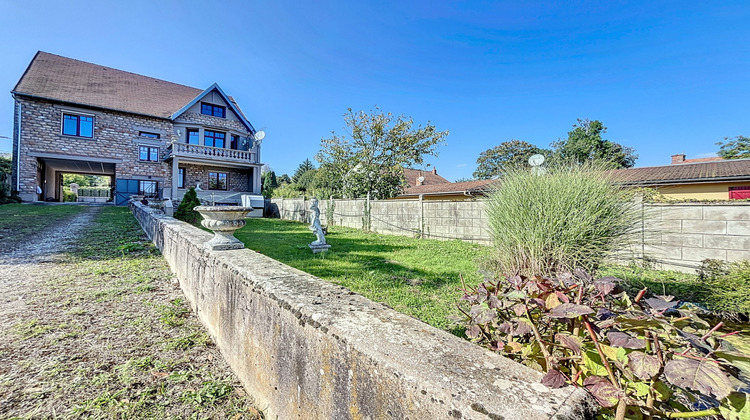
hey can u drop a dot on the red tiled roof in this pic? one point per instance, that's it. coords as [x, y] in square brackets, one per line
[711, 171]
[63, 79]
[473, 187]
[430, 178]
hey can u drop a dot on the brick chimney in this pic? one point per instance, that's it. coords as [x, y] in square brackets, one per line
[434, 170]
[678, 158]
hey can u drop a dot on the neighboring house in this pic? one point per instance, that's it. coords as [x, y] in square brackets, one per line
[709, 178]
[417, 177]
[151, 137]
[455, 191]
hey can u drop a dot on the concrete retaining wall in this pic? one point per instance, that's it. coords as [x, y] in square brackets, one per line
[307, 349]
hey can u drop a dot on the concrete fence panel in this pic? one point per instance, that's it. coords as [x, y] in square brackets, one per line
[673, 236]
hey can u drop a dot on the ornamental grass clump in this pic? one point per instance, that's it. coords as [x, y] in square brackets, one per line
[570, 217]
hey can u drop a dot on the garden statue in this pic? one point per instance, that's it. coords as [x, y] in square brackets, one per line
[318, 245]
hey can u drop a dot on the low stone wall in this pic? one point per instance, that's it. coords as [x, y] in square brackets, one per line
[307, 349]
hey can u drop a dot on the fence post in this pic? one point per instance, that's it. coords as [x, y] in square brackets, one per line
[421, 216]
[366, 219]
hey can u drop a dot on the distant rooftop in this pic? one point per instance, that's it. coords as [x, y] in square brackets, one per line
[709, 170]
[475, 187]
[428, 177]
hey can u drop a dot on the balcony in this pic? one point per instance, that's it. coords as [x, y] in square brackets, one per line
[210, 154]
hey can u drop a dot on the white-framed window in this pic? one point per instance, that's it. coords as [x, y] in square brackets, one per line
[78, 125]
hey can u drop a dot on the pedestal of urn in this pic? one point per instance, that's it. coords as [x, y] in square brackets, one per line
[223, 221]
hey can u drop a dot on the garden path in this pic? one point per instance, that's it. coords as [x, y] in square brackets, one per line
[25, 266]
[101, 330]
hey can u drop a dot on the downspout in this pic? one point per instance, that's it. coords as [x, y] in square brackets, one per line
[18, 150]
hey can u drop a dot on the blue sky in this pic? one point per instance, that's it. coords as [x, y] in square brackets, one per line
[664, 77]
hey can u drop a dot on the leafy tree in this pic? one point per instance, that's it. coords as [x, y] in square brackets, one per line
[585, 144]
[514, 153]
[370, 158]
[185, 210]
[5, 190]
[5, 165]
[269, 183]
[737, 148]
[284, 179]
[303, 167]
[81, 180]
[287, 191]
[321, 185]
[304, 182]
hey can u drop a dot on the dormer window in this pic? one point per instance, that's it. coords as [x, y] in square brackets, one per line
[213, 110]
[78, 125]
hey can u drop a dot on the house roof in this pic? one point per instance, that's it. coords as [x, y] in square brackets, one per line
[430, 177]
[698, 172]
[63, 79]
[699, 160]
[479, 186]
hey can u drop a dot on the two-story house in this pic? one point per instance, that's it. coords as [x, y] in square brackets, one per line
[150, 136]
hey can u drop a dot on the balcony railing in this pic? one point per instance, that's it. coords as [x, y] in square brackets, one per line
[210, 153]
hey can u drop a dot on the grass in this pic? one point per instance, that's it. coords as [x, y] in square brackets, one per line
[421, 277]
[16, 219]
[661, 282]
[418, 277]
[106, 334]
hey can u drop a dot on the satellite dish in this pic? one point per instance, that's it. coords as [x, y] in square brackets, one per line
[420, 179]
[260, 135]
[536, 160]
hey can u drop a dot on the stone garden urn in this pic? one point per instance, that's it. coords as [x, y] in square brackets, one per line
[223, 221]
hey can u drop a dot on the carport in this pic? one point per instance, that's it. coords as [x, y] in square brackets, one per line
[50, 168]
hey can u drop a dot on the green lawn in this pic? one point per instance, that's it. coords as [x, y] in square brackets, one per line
[684, 285]
[20, 220]
[418, 277]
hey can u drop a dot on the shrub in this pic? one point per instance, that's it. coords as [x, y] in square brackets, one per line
[571, 217]
[727, 286]
[646, 358]
[185, 210]
[69, 196]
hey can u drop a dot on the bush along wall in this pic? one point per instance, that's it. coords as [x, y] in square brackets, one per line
[651, 357]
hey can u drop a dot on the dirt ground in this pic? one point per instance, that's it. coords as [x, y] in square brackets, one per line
[93, 325]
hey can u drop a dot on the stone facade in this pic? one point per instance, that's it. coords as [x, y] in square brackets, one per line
[239, 179]
[114, 149]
